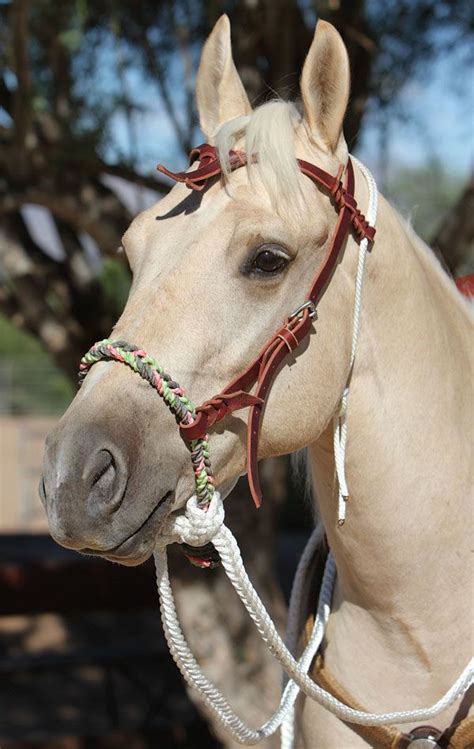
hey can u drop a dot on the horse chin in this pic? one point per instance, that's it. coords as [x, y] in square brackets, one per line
[138, 546]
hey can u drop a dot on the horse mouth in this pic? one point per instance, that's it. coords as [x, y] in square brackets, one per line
[138, 545]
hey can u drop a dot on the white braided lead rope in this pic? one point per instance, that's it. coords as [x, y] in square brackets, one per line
[229, 552]
[340, 423]
[191, 526]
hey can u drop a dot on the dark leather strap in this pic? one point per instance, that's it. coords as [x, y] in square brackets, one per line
[216, 409]
[262, 370]
[209, 166]
[278, 348]
[458, 735]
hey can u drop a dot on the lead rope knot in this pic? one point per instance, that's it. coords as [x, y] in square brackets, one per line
[197, 525]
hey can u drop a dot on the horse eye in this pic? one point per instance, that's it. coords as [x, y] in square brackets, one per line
[269, 261]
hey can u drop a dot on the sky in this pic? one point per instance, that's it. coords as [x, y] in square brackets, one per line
[437, 122]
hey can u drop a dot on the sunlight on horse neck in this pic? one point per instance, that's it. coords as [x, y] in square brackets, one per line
[407, 463]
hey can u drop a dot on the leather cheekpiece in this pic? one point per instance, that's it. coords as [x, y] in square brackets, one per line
[262, 370]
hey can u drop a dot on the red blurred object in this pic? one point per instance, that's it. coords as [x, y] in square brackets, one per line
[465, 285]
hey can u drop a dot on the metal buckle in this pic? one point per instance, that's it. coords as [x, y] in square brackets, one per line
[423, 742]
[306, 305]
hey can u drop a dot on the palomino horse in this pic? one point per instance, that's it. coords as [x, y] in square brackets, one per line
[214, 274]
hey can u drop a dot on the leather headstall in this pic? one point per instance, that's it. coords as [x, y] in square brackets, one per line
[261, 371]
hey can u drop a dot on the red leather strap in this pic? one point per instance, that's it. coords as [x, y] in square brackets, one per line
[209, 166]
[262, 370]
[214, 410]
[343, 196]
[277, 351]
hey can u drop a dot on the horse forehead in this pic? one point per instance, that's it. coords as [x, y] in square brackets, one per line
[184, 219]
[181, 218]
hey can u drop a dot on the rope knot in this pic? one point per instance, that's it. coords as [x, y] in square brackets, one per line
[342, 199]
[198, 525]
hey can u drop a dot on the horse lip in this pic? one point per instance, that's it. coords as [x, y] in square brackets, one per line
[133, 536]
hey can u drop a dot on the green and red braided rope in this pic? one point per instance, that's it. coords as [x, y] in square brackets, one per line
[172, 394]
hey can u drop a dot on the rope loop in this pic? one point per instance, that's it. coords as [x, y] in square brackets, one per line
[196, 526]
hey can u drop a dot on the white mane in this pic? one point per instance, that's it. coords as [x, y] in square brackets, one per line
[268, 131]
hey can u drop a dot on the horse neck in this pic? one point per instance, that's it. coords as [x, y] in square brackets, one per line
[408, 419]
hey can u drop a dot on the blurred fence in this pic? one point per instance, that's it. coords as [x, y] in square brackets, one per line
[32, 385]
[32, 396]
[21, 455]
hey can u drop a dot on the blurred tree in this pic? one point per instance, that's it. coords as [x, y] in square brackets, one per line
[423, 193]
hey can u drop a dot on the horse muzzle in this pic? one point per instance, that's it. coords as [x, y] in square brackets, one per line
[92, 495]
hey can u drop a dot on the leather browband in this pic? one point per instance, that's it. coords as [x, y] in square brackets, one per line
[262, 369]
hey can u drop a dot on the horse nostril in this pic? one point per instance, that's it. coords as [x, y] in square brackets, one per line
[104, 463]
[107, 479]
[42, 490]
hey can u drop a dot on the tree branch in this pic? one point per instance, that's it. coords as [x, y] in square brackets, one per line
[6, 98]
[120, 170]
[157, 71]
[50, 299]
[104, 230]
[21, 96]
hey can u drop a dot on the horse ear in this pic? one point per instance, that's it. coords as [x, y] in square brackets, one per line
[325, 83]
[219, 91]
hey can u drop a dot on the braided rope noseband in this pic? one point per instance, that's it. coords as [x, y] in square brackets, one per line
[182, 409]
[173, 395]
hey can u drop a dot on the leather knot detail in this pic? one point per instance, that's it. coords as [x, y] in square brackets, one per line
[362, 227]
[337, 189]
[215, 410]
[204, 154]
[288, 338]
[344, 200]
[238, 159]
